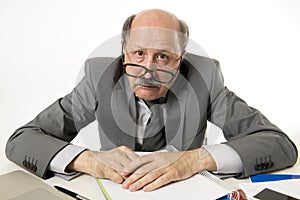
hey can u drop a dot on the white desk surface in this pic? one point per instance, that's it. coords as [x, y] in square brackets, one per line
[87, 186]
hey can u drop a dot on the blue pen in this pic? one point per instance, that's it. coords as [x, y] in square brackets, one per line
[272, 177]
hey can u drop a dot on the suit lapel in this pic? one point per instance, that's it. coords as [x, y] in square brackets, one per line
[124, 112]
[175, 109]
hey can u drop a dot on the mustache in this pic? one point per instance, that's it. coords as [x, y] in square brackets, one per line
[148, 82]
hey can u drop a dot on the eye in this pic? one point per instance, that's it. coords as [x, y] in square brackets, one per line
[162, 57]
[139, 53]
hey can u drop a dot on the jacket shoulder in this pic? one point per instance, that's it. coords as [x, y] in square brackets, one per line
[207, 68]
[98, 65]
[96, 68]
[201, 61]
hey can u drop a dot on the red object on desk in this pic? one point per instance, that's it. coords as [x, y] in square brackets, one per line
[238, 195]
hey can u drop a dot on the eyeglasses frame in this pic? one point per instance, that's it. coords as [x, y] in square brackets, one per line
[151, 71]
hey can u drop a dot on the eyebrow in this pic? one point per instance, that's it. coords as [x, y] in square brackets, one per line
[166, 50]
[159, 50]
[137, 46]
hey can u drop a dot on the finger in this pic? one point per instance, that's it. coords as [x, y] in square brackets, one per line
[159, 182]
[131, 179]
[147, 168]
[113, 175]
[137, 163]
[138, 174]
[145, 180]
[123, 161]
[132, 155]
[128, 157]
[142, 170]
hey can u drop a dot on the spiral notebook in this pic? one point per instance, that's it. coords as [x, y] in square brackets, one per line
[200, 186]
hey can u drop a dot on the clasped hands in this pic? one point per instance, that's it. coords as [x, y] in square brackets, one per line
[148, 172]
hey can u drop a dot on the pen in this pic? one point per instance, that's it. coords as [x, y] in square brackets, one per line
[70, 193]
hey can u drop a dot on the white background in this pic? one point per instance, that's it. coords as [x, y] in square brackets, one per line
[43, 45]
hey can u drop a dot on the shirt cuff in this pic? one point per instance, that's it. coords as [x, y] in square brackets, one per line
[63, 158]
[226, 158]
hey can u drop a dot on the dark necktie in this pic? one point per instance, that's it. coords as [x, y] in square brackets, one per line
[154, 136]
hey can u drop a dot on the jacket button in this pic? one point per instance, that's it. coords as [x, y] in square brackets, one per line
[271, 164]
[31, 167]
[257, 167]
[25, 164]
[265, 165]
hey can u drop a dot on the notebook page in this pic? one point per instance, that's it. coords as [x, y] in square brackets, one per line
[196, 187]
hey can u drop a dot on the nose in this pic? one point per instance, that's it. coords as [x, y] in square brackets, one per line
[150, 61]
[150, 66]
[148, 75]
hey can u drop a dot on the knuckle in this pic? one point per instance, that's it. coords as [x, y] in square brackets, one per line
[116, 178]
[173, 174]
[124, 148]
[165, 179]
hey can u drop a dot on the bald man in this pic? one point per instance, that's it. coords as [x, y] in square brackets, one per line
[154, 96]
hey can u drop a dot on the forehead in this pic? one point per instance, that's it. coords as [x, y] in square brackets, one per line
[154, 38]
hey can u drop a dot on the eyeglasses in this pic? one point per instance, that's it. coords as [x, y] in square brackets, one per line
[161, 73]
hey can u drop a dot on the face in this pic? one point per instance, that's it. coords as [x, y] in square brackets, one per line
[154, 72]
[155, 57]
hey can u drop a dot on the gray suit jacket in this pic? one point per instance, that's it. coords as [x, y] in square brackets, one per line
[197, 95]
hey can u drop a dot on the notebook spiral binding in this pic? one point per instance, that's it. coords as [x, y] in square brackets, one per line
[216, 180]
[233, 193]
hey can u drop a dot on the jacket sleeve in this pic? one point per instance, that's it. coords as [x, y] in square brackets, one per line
[34, 145]
[261, 145]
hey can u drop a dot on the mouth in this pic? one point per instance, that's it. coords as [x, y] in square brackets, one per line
[146, 86]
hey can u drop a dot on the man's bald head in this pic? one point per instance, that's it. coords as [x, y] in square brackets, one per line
[156, 18]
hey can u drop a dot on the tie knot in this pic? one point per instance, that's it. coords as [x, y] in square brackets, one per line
[160, 100]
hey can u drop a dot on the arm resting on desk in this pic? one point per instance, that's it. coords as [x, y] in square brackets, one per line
[261, 145]
[34, 145]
